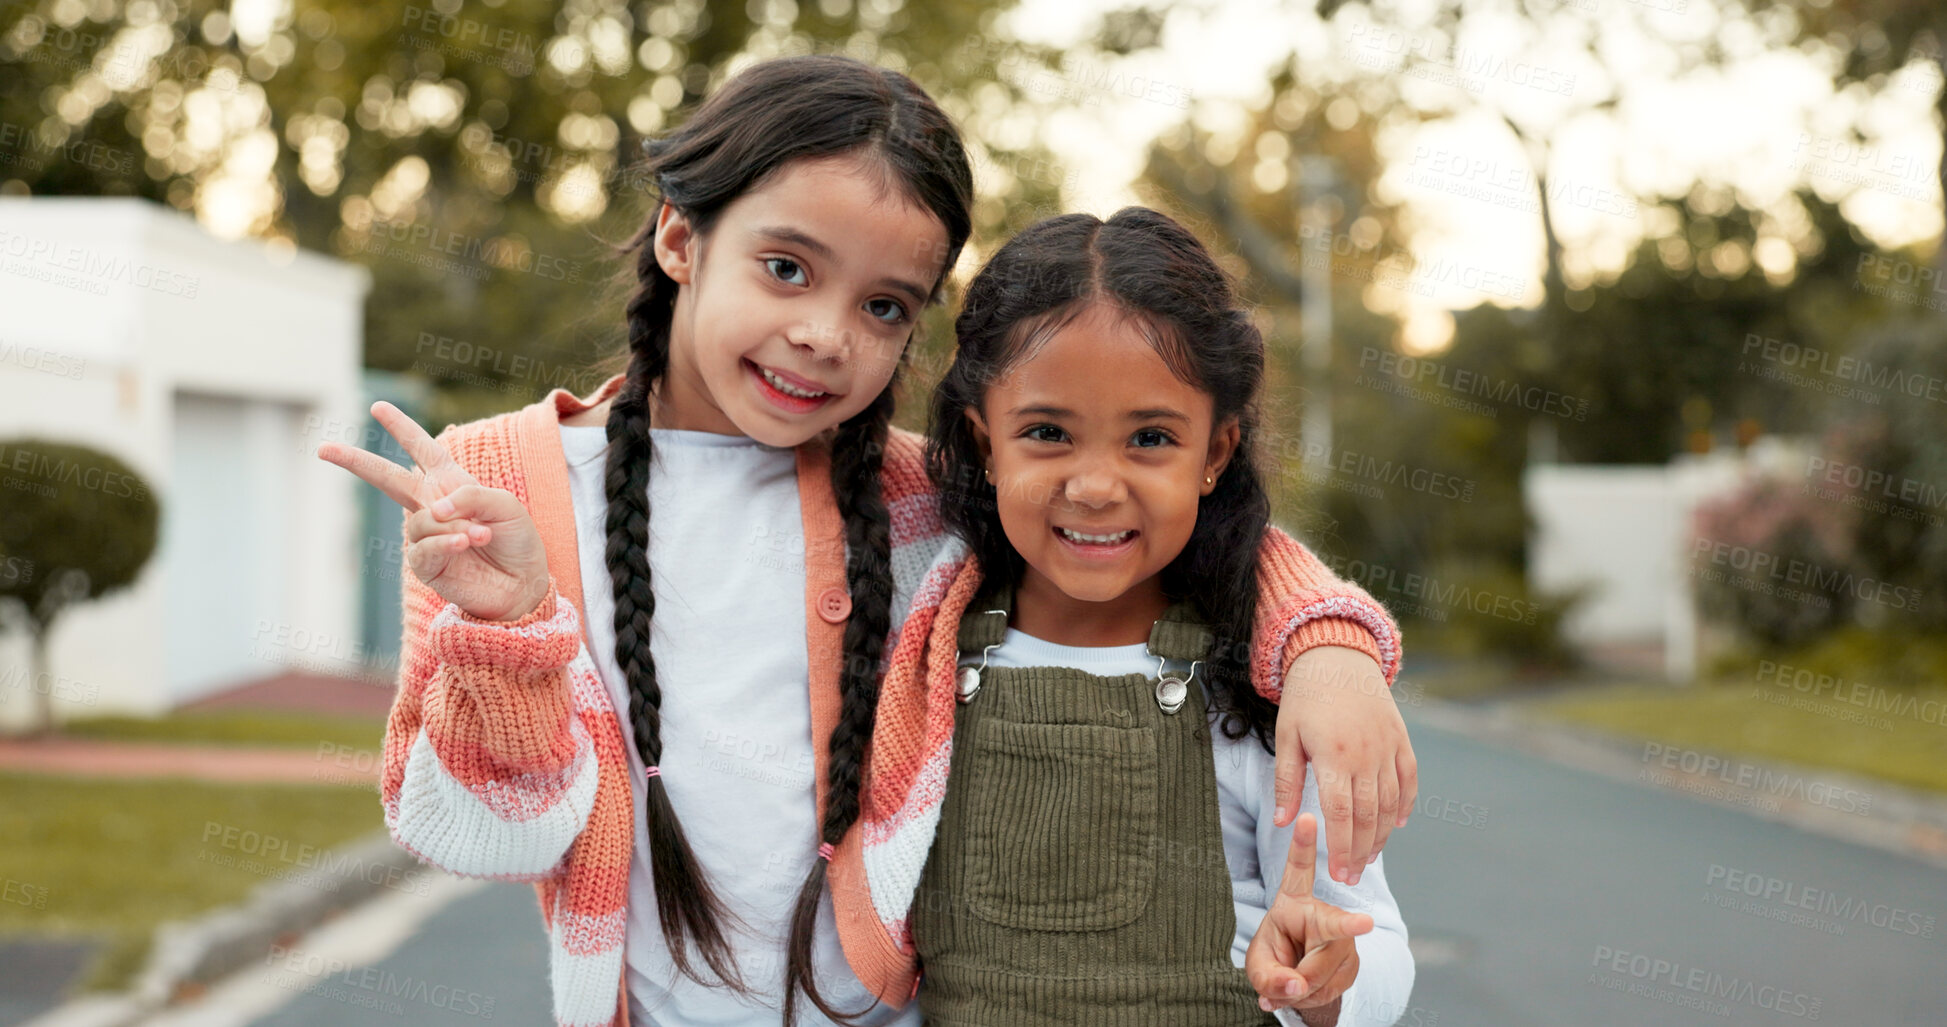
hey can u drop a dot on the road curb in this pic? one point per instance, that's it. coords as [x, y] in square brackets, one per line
[1854, 808]
[186, 957]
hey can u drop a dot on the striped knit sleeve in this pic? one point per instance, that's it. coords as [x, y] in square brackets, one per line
[1301, 605]
[918, 535]
[489, 767]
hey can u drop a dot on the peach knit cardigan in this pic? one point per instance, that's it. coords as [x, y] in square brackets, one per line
[504, 758]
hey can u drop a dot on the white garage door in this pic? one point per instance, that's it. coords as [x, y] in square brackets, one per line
[225, 535]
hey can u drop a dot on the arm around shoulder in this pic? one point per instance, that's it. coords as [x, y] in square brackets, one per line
[1302, 605]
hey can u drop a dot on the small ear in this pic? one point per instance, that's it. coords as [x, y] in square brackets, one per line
[675, 244]
[1223, 445]
[982, 440]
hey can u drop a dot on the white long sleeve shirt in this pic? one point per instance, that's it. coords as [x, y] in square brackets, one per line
[726, 541]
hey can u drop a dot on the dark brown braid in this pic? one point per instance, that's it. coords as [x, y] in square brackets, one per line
[686, 904]
[857, 455]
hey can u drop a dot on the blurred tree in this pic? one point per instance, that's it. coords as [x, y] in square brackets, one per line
[1861, 527]
[1867, 43]
[1235, 189]
[1887, 466]
[1407, 484]
[1630, 365]
[476, 157]
[1685, 326]
[83, 525]
[1866, 46]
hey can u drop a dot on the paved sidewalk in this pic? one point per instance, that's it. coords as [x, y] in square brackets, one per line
[285, 693]
[305, 693]
[87, 757]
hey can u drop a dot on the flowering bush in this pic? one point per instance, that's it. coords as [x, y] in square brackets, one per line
[1887, 463]
[1774, 560]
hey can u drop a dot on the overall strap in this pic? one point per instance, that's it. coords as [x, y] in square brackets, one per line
[1180, 634]
[984, 623]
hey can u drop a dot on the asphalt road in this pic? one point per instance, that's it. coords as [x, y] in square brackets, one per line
[1536, 896]
[1567, 898]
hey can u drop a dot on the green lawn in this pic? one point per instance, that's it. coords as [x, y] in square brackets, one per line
[1894, 742]
[235, 727]
[112, 859]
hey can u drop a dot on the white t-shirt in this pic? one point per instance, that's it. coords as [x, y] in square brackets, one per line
[1255, 849]
[726, 548]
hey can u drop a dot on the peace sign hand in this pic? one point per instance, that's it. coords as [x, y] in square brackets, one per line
[477, 547]
[1303, 956]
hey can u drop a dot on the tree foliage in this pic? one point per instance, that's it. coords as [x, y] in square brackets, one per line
[80, 524]
[477, 157]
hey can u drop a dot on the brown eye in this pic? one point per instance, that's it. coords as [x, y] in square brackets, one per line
[785, 269]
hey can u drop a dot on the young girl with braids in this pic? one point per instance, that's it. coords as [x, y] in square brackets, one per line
[1107, 848]
[662, 721]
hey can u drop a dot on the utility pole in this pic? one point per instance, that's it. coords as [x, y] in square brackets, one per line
[1314, 184]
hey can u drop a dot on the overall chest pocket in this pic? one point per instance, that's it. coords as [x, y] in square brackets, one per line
[1062, 825]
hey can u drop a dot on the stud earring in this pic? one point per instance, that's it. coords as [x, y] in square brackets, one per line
[990, 475]
[1208, 480]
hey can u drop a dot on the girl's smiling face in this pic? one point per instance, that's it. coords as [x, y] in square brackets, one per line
[1099, 455]
[797, 302]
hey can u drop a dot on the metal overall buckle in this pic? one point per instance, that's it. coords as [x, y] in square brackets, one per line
[967, 682]
[1171, 691]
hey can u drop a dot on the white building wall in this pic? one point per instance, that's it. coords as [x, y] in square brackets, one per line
[1627, 531]
[128, 327]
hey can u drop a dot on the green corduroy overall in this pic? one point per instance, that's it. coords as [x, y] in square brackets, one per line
[1078, 876]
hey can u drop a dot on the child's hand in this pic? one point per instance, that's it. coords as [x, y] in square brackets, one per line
[475, 546]
[1303, 956]
[1338, 712]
